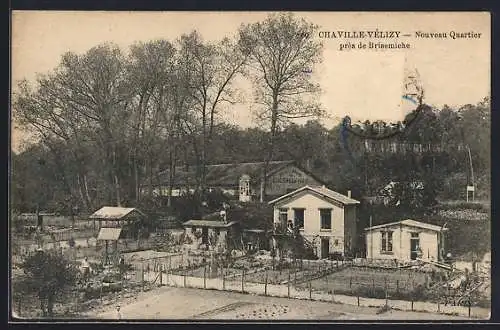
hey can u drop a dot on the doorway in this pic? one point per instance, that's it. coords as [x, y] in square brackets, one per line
[325, 248]
[414, 246]
[204, 235]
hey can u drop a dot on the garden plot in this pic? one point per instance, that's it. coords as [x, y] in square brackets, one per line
[368, 282]
[293, 272]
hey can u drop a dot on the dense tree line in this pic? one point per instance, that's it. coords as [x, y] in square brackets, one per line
[106, 122]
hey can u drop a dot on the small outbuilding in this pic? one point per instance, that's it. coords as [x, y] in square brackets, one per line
[128, 218]
[405, 240]
[215, 234]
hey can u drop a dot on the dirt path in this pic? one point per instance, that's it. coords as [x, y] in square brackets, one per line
[188, 304]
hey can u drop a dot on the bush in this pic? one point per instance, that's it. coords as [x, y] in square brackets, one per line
[49, 274]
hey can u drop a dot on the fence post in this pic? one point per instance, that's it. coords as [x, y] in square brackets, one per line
[265, 285]
[243, 280]
[412, 303]
[289, 283]
[397, 286]
[357, 295]
[333, 294]
[310, 290]
[439, 307]
[205, 277]
[142, 276]
[373, 286]
[161, 274]
[184, 275]
[350, 282]
[469, 303]
[223, 278]
[386, 294]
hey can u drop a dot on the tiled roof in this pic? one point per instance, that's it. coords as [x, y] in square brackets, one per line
[409, 223]
[221, 174]
[113, 213]
[323, 191]
[208, 223]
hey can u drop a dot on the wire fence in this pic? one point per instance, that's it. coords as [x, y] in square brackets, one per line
[326, 281]
[333, 281]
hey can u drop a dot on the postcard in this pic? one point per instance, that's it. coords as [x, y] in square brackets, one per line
[292, 166]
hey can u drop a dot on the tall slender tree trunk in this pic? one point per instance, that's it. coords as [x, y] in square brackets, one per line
[270, 148]
[87, 195]
[115, 179]
[171, 175]
[136, 181]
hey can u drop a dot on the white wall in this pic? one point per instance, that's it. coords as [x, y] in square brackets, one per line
[401, 244]
[312, 221]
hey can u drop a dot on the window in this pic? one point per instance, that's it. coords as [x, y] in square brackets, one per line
[245, 188]
[299, 218]
[326, 218]
[283, 216]
[387, 241]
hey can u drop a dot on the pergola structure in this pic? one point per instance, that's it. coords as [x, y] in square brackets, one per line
[111, 221]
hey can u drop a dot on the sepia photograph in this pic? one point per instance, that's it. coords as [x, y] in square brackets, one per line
[259, 166]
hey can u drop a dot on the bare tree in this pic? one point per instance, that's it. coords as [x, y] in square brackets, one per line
[149, 69]
[85, 98]
[282, 53]
[213, 68]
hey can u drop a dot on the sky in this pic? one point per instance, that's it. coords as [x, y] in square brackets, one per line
[361, 83]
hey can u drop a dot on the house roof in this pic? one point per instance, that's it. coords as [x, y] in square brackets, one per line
[409, 223]
[113, 213]
[417, 185]
[223, 174]
[109, 234]
[208, 223]
[323, 191]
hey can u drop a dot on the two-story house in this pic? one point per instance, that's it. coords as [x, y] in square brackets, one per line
[325, 218]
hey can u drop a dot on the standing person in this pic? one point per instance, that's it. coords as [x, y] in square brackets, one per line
[121, 266]
[118, 313]
[86, 269]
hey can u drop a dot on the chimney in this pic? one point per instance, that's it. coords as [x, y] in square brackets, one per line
[349, 193]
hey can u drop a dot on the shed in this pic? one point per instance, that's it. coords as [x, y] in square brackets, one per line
[223, 231]
[116, 217]
[405, 240]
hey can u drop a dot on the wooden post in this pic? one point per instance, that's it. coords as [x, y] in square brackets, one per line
[289, 283]
[412, 303]
[265, 285]
[469, 303]
[161, 274]
[310, 290]
[185, 279]
[439, 307]
[350, 282]
[223, 278]
[358, 298]
[333, 294]
[205, 277]
[142, 276]
[397, 286]
[243, 281]
[373, 286]
[386, 294]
